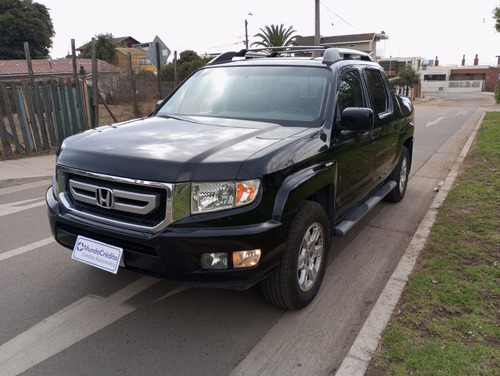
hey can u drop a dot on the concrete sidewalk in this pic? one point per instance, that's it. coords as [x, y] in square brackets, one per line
[24, 170]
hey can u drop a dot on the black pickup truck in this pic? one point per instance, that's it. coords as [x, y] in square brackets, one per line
[244, 174]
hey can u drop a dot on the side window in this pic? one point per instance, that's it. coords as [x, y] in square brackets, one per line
[378, 90]
[350, 91]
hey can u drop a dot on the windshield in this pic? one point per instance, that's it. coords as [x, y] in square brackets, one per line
[290, 96]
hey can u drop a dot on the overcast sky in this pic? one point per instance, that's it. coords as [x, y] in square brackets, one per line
[448, 29]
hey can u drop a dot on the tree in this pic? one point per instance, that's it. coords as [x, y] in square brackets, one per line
[188, 62]
[104, 47]
[496, 16]
[275, 36]
[24, 21]
[406, 77]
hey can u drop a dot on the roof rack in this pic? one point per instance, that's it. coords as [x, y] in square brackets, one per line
[330, 54]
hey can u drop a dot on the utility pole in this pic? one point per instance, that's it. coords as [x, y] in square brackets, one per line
[246, 30]
[246, 34]
[95, 90]
[317, 37]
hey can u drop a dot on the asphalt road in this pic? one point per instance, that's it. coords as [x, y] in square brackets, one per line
[60, 317]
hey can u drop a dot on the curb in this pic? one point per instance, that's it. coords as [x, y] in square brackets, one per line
[358, 359]
[5, 183]
[26, 170]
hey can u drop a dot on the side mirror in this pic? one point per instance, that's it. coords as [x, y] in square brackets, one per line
[357, 119]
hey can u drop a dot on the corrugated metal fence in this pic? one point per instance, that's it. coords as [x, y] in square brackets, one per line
[38, 115]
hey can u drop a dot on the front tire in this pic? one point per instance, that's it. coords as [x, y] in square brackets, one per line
[297, 279]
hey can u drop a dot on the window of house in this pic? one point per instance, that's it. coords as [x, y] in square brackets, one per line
[144, 62]
[435, 77]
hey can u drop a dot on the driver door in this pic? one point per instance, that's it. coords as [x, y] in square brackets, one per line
[354, 150]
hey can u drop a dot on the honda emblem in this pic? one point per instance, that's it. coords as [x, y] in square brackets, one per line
[104, 198]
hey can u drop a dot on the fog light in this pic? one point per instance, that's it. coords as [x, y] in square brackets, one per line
[214, 260]
[246, 259]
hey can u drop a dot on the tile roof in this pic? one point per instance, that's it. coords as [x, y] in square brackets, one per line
[133, 51]
[16, 68]
[127, 41]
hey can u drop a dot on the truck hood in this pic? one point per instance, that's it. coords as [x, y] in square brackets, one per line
[173, 149]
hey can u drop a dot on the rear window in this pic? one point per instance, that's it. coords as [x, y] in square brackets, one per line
[290, 96]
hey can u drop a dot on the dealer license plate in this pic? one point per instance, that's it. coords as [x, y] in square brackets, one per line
[98, 254]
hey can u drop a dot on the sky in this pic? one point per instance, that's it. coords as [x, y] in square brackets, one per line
[447, 29]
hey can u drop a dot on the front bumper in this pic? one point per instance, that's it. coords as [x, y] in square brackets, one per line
[174, 254]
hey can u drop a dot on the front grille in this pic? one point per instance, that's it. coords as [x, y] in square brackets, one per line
[123, 202]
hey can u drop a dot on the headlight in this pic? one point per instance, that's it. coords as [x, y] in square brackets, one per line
[58, 180]
[208, 197]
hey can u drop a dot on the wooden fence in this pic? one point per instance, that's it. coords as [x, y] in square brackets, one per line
[39, 115]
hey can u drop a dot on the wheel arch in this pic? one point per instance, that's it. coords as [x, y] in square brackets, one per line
[409, 146]
[315, 183]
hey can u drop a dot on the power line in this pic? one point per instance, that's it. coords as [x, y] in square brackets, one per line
[226, 45]
[331, 11]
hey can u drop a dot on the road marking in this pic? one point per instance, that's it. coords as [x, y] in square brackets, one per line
[439, 119]
[26, 248]
[58, 332]
[132, 290]
[67, 327]
[14, 207]
[462, 113]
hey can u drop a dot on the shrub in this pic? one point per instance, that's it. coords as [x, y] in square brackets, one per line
[497, 92]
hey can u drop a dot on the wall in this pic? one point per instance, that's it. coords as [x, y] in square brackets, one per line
[489, 75]
[461, 79]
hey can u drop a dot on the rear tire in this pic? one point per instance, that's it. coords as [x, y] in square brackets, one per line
[296, 281]
[400, 176]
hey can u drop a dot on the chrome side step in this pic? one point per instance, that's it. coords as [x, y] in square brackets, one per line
[355, 216]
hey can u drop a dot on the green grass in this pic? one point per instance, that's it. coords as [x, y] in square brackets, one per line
[448, 319]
